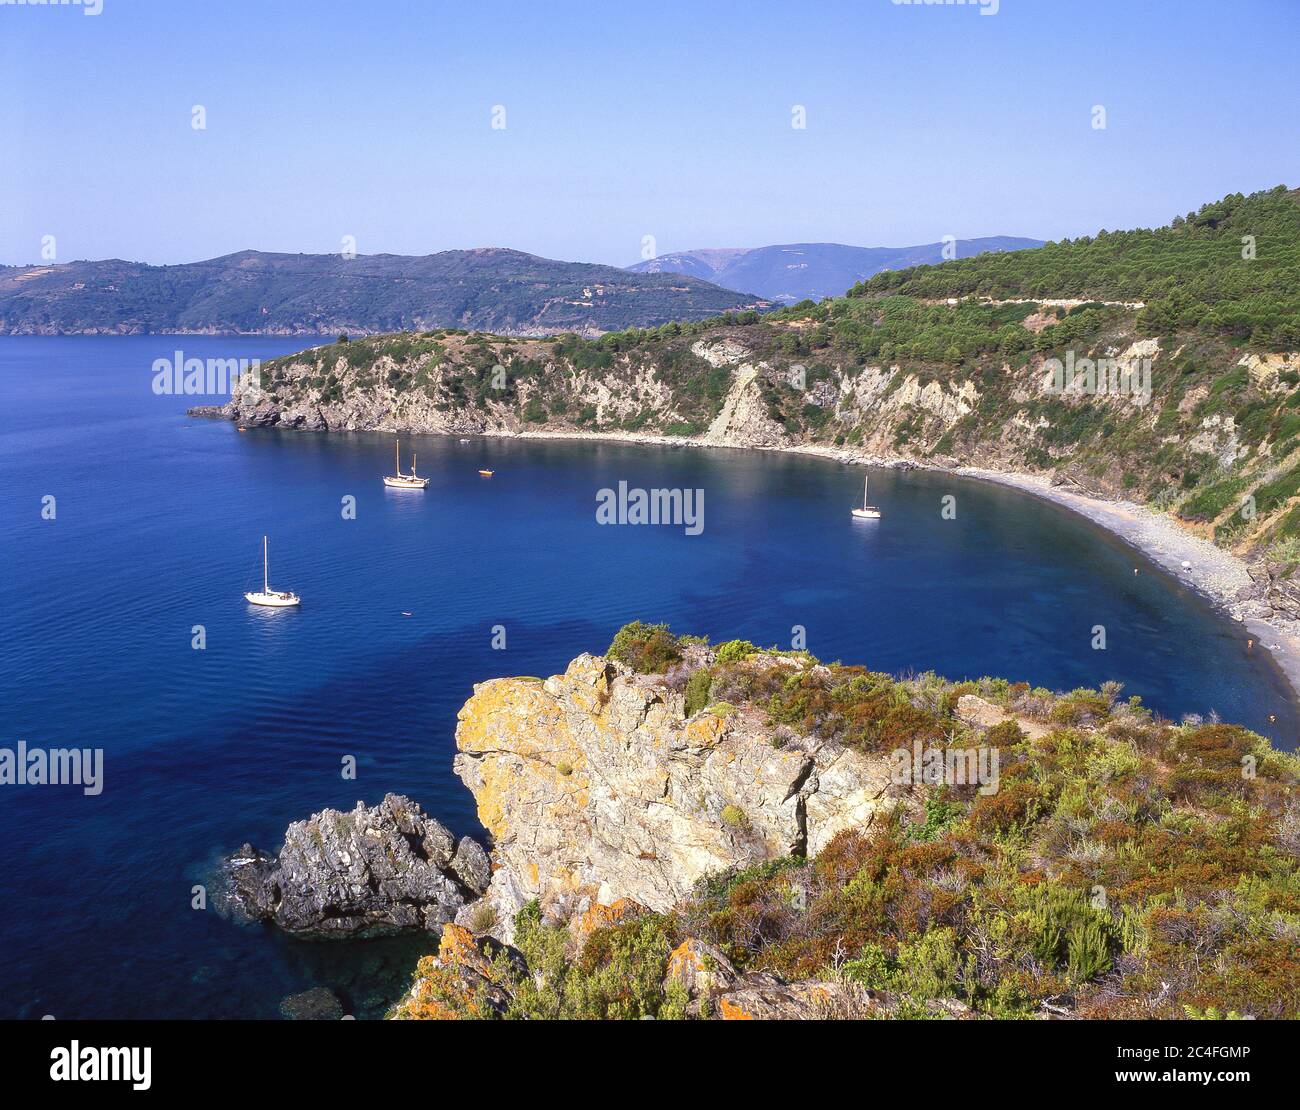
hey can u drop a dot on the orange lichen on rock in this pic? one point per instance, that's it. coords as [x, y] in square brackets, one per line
[731, 1010]
[458, 947]
[685, 958]
[460, 982]
[599, 916]
[699, 967]
[705, 731]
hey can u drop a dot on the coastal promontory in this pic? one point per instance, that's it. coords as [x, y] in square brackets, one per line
[685, 829]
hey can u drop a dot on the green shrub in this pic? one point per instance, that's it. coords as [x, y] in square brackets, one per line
[617, 974]
[1209, 501]
[1069, 932]
[1087, 950]
[734, 817]
[930, 966]
[939, 816]
[872, 968]
[697, 691]
[1269, 496]
[735, 651]
[646, 648]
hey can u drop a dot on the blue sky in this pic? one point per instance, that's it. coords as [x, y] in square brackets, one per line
[626, 119]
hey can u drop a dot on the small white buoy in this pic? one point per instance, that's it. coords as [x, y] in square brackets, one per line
[1187, 565]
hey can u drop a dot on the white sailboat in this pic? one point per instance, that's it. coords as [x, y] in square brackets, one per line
[867, 512]
[276, 599]
[398, 480]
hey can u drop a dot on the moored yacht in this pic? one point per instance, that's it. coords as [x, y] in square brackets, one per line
[867, 512]
[275, 599]
[398, 480]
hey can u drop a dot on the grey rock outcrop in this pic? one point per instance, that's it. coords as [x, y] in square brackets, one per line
[471, 865]
[375, 870]
[1276, 585]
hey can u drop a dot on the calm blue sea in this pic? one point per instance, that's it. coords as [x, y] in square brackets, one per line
[158, 529]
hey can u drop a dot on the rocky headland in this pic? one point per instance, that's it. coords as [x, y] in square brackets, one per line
[679, 829]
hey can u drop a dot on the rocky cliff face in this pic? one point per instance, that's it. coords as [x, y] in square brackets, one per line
[342, 387]
[597, 787]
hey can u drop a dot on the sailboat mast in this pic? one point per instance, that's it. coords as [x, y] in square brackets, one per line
[266, 585]
[397, 443]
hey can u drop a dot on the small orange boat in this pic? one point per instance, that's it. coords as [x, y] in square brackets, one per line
[486, 473]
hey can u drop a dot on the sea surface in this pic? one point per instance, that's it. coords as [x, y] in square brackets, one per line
[157, 529]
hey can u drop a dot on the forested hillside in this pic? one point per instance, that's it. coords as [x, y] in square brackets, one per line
[897, 371]
[311, 294]
[1231, 268]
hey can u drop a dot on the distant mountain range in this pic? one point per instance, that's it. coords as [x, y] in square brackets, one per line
[810, 271]
[252, 292]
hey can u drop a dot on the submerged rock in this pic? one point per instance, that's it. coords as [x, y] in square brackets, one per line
[244, 874]
[317, 1004]
[372, 871]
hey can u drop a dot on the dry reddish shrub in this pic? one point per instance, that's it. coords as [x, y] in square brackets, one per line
[1012, 805]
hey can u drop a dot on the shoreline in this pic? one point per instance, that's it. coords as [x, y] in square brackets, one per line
[1215, 574]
